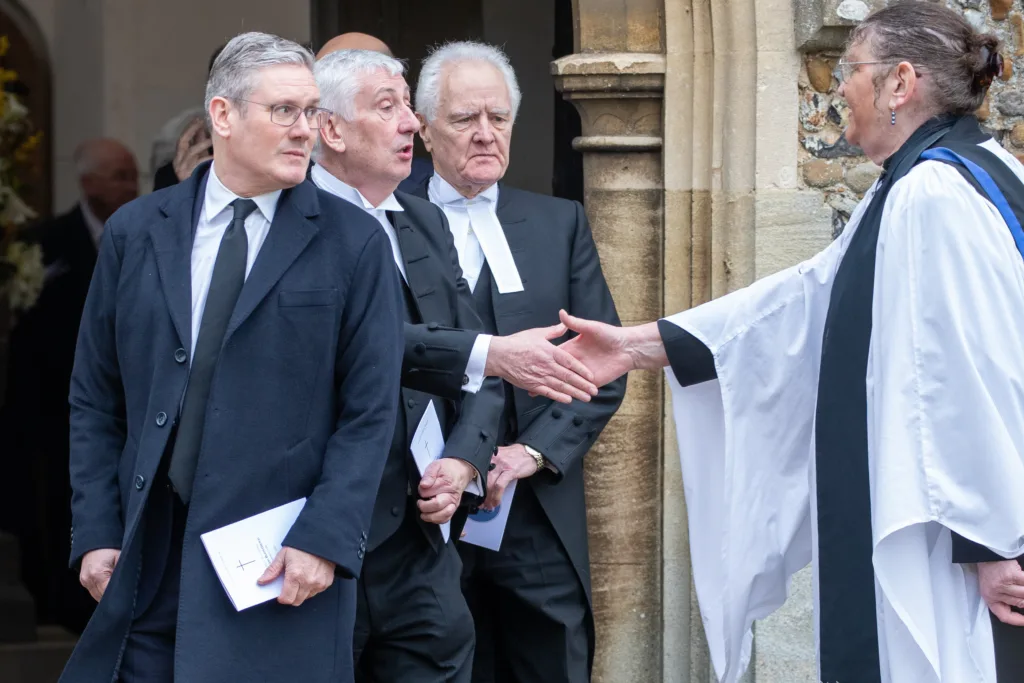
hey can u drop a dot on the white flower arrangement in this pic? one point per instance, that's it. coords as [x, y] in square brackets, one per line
[21, 263]
[24, 287]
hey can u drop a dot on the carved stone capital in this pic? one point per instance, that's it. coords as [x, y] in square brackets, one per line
[826, 24]
[619, 97]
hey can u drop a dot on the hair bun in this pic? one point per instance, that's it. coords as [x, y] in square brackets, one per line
[990, 62]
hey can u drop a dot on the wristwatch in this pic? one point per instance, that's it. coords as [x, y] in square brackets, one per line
[537, 456]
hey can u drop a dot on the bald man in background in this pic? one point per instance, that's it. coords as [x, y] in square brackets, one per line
[35, 424]
[422, 166]
[354, 41]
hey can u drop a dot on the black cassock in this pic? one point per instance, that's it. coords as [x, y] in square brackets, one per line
[849, 649]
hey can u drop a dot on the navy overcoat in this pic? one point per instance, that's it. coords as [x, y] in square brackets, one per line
[303, 403]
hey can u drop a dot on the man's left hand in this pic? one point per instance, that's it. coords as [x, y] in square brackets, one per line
[305, 575]
[510, 463]
[1002, 586]
[441, 489]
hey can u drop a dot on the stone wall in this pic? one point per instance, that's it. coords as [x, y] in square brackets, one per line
[830, 164]
[124, 68]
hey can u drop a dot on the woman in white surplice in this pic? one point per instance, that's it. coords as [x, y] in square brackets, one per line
[864, 410]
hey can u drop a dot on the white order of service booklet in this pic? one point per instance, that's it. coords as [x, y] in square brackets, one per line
[242, 551]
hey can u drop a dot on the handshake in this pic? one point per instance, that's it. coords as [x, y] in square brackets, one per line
[597, 355]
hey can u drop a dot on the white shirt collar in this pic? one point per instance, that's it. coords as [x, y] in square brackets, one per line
[326, 181]
[219, 197]
[447, 194]
[94, 224]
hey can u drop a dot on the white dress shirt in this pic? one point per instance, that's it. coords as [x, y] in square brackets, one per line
[94, 224]
[214, 219]
[328, 183]
[478, 234]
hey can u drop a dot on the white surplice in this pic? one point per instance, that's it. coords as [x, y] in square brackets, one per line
[945, 400]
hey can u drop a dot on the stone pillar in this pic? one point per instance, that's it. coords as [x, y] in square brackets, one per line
[619, 97]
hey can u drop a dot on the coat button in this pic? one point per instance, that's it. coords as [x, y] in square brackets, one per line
[420, 348]
[577, 420]
[360, 553]
[411, 403]
[395, 511]
[432, 326]
[363, 535]
[556, 413]
[140, 481]
[161, 419]
[362, 545]
[180, 356]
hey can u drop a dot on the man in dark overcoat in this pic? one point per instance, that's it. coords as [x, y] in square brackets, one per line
[241, 348]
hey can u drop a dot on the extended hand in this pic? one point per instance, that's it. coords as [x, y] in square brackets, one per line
[441, 488]
[97, 568]
[1002, 586]
[530, 361]
[510, 463]
[190, 154]
[305, 575]
[610, 352]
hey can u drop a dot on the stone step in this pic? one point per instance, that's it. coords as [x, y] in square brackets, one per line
[40, 661]
[17, 615]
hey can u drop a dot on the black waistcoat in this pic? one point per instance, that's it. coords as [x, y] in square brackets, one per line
[485, 309]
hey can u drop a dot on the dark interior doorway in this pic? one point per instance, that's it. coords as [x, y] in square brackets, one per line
[532, 33]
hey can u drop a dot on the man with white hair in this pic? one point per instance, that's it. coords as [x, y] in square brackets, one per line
[412, 621]
[525, 256]
[240, 349]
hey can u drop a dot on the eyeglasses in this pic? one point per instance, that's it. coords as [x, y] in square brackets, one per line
[846, 69]
[287, 114]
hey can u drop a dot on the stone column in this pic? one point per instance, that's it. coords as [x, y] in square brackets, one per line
[619, 97]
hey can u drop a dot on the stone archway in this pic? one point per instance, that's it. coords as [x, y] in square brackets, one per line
[689, 112]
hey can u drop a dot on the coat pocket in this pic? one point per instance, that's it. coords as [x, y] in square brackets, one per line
[307, 297]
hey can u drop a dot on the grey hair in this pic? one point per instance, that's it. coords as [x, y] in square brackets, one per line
[234, 72]
[85, 158]
[428, 88]
[960, 61]
[340, 74]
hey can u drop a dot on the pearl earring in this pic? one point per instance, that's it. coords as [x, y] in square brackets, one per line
[893, 121]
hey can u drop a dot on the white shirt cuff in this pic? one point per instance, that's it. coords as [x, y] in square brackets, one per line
[476, 486]
[477, 363]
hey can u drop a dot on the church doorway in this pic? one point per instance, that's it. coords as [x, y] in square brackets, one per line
[532, 33]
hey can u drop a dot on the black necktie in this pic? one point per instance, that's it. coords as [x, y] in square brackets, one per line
[225, 285]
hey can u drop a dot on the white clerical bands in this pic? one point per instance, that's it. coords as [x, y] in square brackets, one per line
[491, 237]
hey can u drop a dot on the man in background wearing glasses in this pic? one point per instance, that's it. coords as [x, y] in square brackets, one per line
[241, 348]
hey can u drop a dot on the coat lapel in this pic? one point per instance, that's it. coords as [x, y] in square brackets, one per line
[172, 243]
[517, 234]
[289, 234]
[420, 269]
